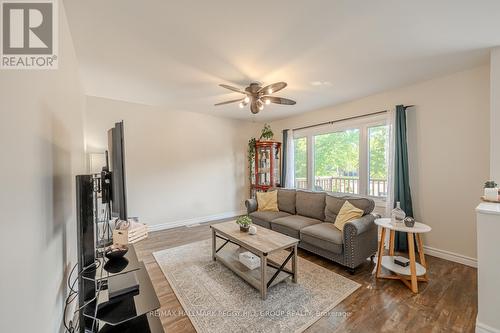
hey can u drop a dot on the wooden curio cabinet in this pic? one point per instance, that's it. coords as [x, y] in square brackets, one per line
[266, 171]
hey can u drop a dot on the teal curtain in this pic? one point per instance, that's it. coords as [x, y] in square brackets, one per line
[402, 191]
[284, 158]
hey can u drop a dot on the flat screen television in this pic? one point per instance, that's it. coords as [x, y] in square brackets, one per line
[116, 152]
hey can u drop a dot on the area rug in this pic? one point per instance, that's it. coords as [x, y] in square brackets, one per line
[217, 300]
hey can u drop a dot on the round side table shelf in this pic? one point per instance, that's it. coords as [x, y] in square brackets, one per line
[413, 273]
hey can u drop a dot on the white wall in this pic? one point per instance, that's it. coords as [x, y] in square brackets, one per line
[448, 148]
[179, 165]
[41, 144]
[495, 114]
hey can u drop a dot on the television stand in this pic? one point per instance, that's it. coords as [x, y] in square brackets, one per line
[133, 312]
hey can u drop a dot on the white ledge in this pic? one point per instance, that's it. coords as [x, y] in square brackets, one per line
[488, 208]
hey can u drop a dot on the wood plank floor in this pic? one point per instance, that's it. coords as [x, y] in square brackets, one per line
[448, 303]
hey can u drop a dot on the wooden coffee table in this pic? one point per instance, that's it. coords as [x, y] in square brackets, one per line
[262, 244]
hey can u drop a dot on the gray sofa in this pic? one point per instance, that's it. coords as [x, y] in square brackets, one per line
[309, 216]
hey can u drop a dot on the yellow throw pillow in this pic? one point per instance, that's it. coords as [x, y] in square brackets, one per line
[267, 201]
[347, 213]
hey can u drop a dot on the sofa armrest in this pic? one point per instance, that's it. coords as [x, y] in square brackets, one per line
[358, 226]
[251, 205]
[360, 240]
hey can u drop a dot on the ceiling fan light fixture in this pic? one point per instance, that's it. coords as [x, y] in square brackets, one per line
[260, 105]
[256, 96]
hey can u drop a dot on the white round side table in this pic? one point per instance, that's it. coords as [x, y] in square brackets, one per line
[416, 271]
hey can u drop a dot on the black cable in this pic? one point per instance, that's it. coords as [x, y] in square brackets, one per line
[105, 224]
[73, 294]
[70, 274]
[97, 298]
[96, 263]
[68, 329]
[69, 300]
[104, 231]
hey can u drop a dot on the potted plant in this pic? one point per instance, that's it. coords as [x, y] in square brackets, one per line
[244, 222]
[491, 190]
[267, 133]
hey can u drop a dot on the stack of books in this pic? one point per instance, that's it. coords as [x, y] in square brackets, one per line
[130, 233]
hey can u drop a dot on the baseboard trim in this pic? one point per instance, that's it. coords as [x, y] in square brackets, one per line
[195, 220]
[482, 328]
[451, 256]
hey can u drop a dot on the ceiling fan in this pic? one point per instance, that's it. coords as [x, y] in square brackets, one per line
[258, 96]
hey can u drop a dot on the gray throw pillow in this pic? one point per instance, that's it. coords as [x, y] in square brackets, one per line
[311, 204]
[286, 200]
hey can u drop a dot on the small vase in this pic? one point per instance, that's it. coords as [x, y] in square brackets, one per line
[398, 215]
[491, 194]
[244, 228]
[252, 230]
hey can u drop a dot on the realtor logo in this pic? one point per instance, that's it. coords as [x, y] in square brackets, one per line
[29, 35]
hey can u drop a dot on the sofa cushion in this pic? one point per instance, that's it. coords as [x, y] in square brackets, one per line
[334, 204]
[291, 225]
[311, 204]
[286, 200]
[325, 236]
[263, 218]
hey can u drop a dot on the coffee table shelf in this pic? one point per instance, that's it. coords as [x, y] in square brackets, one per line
[252, 276]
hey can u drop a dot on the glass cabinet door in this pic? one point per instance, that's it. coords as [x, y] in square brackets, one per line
[276, 166]
[264, 165]
[266, 168]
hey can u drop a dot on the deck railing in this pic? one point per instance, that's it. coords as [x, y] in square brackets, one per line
[376, 187]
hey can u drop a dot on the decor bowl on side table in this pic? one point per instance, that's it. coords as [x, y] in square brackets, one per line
[409, 221]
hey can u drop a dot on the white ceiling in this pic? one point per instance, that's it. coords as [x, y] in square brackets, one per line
[175, 53]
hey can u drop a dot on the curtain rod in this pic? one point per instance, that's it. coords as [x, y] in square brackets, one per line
[339, 120]
[349, 118]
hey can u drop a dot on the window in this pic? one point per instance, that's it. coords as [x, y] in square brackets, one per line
[348, 157]
[377, 182]
[336, 161]
[300, 162]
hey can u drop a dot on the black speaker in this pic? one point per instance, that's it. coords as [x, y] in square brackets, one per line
[85, 242]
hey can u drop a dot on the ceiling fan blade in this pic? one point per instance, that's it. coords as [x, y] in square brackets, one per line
[272, 88]
[233, 88]
[233, 101]
[253, 107]
[279, 100]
